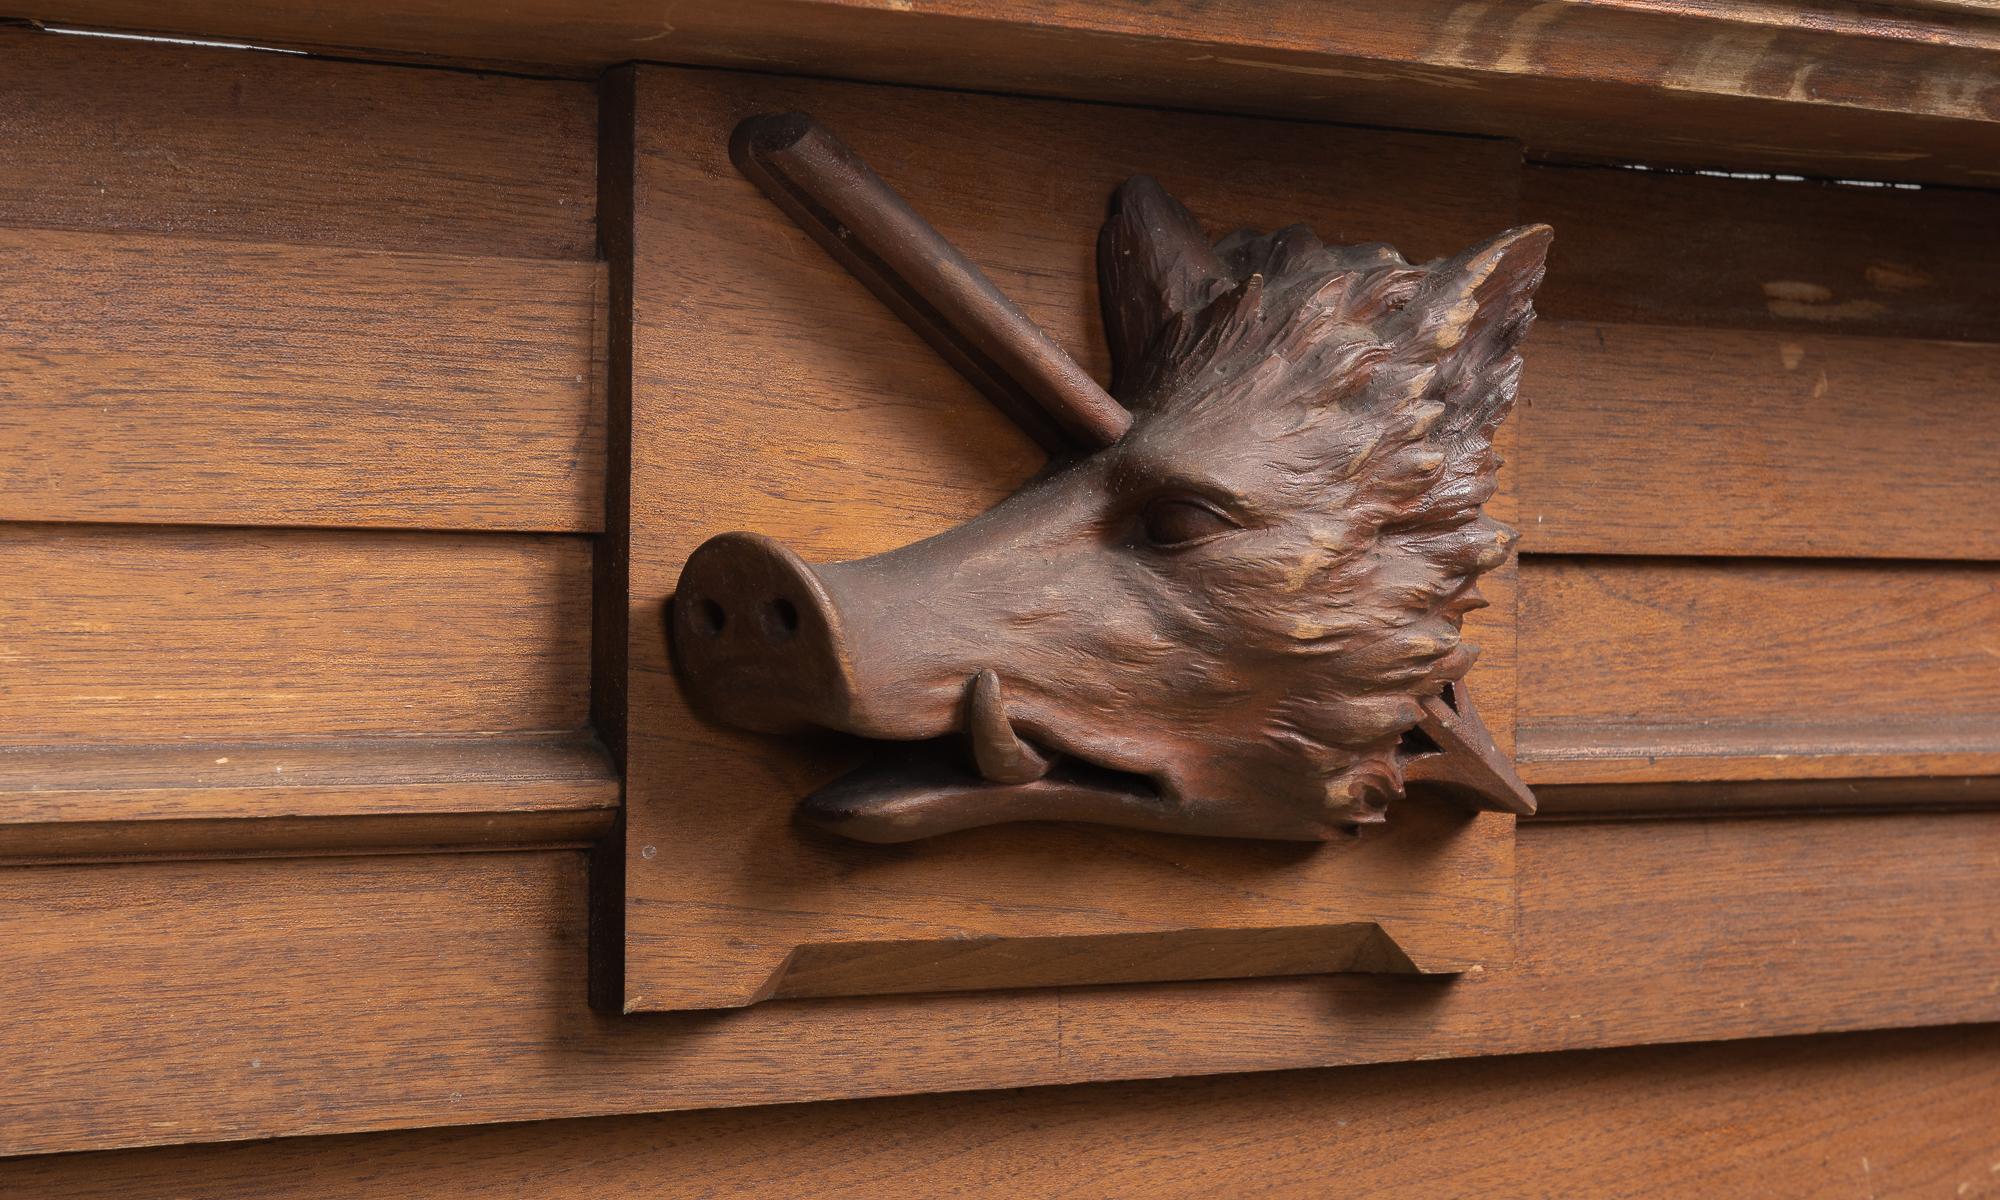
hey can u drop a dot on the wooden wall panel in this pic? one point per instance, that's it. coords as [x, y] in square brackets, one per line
[1649, 669]
[1905, 1114]
[229, 144]
[121, 634]
[1650, 247]
[249, 290]
[157, 1003]
[187, 381]
[1672, 441]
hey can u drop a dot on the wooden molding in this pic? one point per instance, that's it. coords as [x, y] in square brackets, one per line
[1767, 797]
[1809, 85]
[214, 801]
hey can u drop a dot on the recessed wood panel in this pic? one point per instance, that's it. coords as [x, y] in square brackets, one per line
[1680, 669]
[1906, 1114]
[232, 383]
[123, 635]
[108, 135]
[201, 1001]
[771, 392]
[1659, 440]
[1653, 247]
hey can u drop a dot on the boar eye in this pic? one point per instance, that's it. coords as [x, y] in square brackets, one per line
[1182, 520]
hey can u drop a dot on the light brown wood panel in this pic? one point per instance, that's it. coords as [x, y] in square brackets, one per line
[159, 1003]
[106, 135]
[1673, 441]
[116, 634]
[102, 801]
[771, 392]
[234, 383]
[1807, 257]
[1904, 1114]
[1822, 86]
[1694, 669]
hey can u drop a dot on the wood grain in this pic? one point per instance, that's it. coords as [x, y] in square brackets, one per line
[771, 392]
[188, 381]
[121, 136]
[124, 801]
[1805, 257]
[135, 635]
[186, 1002]
[1822, 87]
[1663, 441]
[1905, 1114]
[1688, 669]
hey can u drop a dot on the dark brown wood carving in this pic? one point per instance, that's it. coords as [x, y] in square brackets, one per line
[1230, 605]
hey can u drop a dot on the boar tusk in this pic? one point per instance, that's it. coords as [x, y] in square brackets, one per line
[1000, 753]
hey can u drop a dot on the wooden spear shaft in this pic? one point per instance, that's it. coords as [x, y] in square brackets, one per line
[880, 239]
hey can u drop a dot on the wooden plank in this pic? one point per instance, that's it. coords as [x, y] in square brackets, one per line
[771, 392]
[133, 635]
[1638, 670]
[104, 136]
[1872, 94]
[144, 1007]
[215, 382]
[1648, 247]
[1663, 441]
[1907, 1113]
[127, 801]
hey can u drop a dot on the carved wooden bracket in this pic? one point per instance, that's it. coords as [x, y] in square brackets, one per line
[1232, 604]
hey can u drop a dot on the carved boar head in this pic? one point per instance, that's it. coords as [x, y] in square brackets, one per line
[1225, 622]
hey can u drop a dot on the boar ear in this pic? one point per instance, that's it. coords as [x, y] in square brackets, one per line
[1153, 265]
[1470, 311]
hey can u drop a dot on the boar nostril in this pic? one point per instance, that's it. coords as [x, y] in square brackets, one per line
[781, 620]
[712, 619]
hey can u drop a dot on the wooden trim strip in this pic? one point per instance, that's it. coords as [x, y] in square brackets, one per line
[474, 831]
[210, 801]
[1767, 797]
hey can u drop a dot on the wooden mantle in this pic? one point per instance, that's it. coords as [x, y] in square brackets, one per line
[1904, 91]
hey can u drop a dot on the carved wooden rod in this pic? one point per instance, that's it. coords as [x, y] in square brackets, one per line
[880, 239]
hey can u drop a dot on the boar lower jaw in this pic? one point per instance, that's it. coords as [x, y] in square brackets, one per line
[920, 790]
[910, 791]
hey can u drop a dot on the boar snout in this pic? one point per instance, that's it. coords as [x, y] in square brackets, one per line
[767, 642]
[758, 640]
